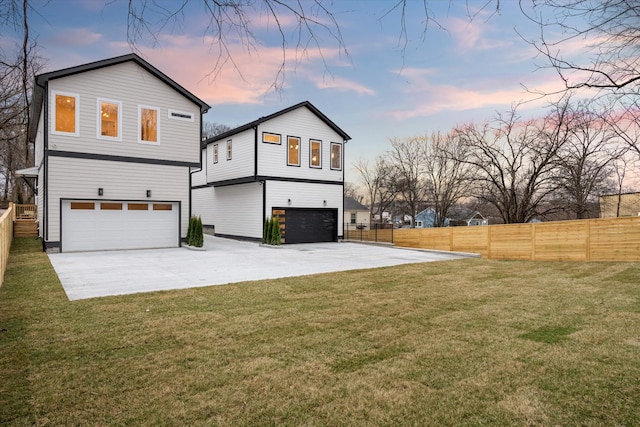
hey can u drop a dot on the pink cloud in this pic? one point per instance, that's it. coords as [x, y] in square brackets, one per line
[243, 78]
[75, 37]
[426, 97]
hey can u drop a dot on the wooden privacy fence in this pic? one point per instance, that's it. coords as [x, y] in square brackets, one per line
[607, 239]
[6, 237]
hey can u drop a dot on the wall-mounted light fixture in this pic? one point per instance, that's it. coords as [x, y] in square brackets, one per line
[100, 191]
[148, 193]
[324, 202]
[289, 201]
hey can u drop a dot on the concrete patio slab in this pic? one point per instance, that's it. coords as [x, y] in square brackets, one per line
[97, 274]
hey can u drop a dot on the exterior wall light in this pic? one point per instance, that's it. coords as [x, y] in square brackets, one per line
[148, 193]
[289, 202]
[100, 191]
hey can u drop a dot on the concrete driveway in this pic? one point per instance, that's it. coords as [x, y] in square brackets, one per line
[96, 274]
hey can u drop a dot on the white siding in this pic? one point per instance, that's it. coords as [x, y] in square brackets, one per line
[305, 195]
[242, 158]
[133, 86]
[237, 210]
[302, 123]
[202, 204]
[362, 217]
[80, 179]
[200, 177]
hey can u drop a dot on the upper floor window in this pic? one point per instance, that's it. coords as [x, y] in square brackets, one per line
[315, 153]
[109, 119]
[270, 138]
[65, 113]
[336, 156]
[215, 153]
[229, 148]
[293, 151]
[148, 124]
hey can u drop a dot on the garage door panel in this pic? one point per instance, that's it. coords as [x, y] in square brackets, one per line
[115, 225]
[311, 225]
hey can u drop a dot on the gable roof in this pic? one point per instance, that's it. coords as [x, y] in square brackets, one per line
[351, 204]
[41, 79]
[255, 123]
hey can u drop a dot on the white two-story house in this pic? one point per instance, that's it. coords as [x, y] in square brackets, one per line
[115, 142]
[288, 164]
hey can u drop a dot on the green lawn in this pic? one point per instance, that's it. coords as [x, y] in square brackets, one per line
[469, 342]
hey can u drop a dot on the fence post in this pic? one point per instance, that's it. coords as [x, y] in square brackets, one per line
[588, 240]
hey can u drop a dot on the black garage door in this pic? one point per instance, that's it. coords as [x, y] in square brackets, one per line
[310, 225]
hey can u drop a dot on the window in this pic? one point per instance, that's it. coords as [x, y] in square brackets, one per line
[148, 126]
[65, 113]
[315, 153]
[82, 206]
[162, 207]
[293, 152]
[336, 156]
[353, 217]
[181, 115]
[215, 153]
[229, 148]
[137, 206]
[109, 122]
[111, 206]
[270, 138]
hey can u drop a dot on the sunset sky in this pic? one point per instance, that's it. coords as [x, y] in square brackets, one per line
[463, 71]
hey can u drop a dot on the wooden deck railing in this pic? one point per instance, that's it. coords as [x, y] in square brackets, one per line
[25, 212]
[6, 237]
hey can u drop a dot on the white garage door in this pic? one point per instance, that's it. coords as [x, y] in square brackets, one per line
[104, 225]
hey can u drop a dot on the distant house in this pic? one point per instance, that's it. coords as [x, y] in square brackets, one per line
[427, 219]
[462, 216]
[458, 216]
[615, 205]
[355, 213]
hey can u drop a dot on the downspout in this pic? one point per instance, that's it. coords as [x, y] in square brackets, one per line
[255, 174]
[45, 161]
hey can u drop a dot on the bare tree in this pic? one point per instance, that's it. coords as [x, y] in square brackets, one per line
[352, 190]
[515, 162]
[586, 159]
[230, 21]
[407, 157]
[609, 32]
[211, 129]
[17, 71]
[448, 178]
[379, 182]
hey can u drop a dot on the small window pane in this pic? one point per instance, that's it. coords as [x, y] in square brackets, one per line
[148, 124]
[315, 153]
[138, 207]
[65, 113]
[109, 119]
[293, 157]
[229, 149]
[270, 138]
[336, 156]
[215, 153]
[82, 206]
[162, 207]
[111, 206]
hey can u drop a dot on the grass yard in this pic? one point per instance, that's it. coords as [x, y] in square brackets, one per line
[471, 342]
